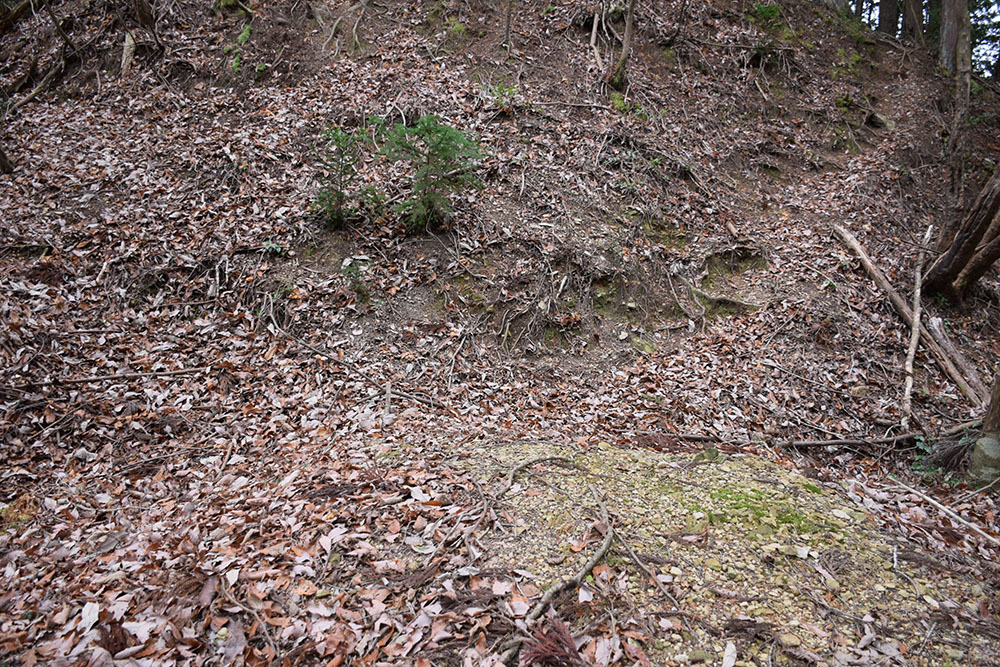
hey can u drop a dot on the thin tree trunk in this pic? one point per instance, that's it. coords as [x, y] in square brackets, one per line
[6, 166]
[977, 267]
[949, 34]
[859, 9]
[506, 27]
[945, 271]
[913, 20]
[888, 17]
[618, 79]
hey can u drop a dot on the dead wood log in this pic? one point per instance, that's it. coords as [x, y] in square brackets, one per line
[947, 365]
[10, 17]
[936, 326]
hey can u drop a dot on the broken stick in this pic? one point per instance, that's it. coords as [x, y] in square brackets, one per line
[911, 352]
[947, 365]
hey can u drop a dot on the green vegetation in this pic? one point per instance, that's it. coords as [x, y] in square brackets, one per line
[236, 64]
[502, 96]
[766, 16]
[442, 159]
[338, 200]
[847, 65]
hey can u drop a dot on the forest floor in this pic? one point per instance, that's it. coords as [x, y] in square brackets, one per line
[636, 404]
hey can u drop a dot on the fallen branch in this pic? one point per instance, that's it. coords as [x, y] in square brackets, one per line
[951, 514]
[572, 582]
[513, 473]
[117, 376]
[593, 42]
[904, 312]
[10, 17]
[936, 327]
[911, 352]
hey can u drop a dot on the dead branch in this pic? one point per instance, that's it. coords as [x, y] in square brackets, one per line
[513, 473]
[947, 365]
[914, 329]
[936, 326]
[11, 17]
[593, 41]
[951, 514]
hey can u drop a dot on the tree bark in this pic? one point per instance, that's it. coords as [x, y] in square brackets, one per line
[506, 27]
[6, 166]
[888, 17]
[618, 78]
[913, 20]
[949, 35]
[944, 275]
[991, 423]
[859, 9]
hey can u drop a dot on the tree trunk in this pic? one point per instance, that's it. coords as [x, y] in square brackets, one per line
[618, 78]
[888, 17]
[859, 9]
[964, 254]
[6, 166]
[913, 20]
[932, 30]
[506, 27]
[963, 86]
[949, 34]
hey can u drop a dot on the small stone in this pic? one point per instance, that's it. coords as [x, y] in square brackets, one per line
[788, 640]
[713, 563]
[954, 653]
[698, 656]
[859, 390]
[676, 571]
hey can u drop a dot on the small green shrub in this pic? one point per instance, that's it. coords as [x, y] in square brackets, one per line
[767, 16]
[244, 35]
[442, 159]
[503, 96]
[337, 196]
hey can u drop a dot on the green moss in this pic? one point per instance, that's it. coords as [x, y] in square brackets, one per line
[812, 488]
[643, 346]
[618, 102]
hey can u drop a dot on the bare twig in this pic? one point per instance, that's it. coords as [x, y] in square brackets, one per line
[513, 473]
[254, 614]
[914, 329]
[951, 514]
[593, 41]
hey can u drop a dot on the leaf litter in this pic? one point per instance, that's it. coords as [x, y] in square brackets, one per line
[218, 449]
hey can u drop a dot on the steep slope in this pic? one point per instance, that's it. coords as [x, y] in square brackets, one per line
[234, 433]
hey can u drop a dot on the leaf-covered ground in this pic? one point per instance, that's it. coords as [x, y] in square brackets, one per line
[231, 435]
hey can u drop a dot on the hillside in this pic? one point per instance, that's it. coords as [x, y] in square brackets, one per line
[635, 360]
